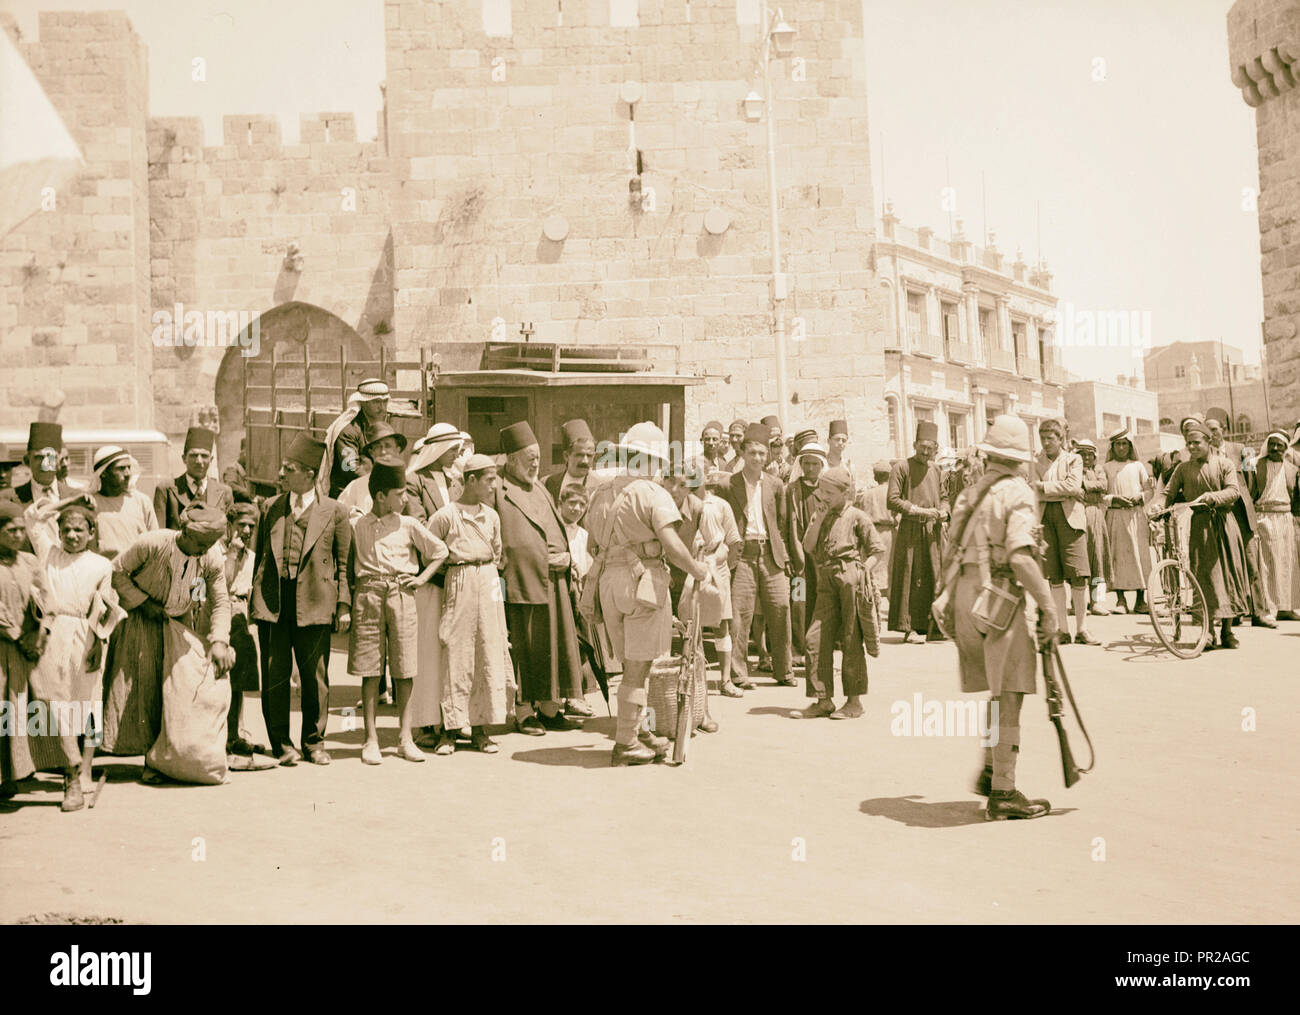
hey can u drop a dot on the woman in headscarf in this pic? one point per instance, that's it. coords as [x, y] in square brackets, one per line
[1128, 534]
[1208, 485]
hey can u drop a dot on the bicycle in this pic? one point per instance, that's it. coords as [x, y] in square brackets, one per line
[1174, 597]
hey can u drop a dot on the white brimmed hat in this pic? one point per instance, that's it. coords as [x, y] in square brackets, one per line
[1008, 437]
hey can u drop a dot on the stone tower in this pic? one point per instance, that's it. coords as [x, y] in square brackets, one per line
[1264, 54]
[588, 168]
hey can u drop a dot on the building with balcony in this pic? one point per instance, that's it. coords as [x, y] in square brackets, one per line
[967, 336]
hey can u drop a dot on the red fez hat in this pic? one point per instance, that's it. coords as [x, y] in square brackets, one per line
[517, 436]
[307, 452]
[42, 435]
[575, 430]
[198, 438]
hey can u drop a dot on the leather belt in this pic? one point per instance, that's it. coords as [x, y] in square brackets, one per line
[753, 549]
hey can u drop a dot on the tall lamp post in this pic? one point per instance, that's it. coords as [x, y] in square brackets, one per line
[778, 41]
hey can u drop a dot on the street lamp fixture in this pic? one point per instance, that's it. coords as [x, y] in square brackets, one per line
[753, 105]
[782, 37]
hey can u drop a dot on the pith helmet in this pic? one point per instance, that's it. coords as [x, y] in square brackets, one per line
[1008, 437]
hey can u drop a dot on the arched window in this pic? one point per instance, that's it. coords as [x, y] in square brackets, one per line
[1166, 421]
[1243, 423]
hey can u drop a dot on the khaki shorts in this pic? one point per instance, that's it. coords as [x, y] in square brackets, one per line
[637, 633]
[384, 626]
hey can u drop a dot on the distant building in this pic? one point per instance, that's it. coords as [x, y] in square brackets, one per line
[1210, 378]
[1095, 408]
[968, 336]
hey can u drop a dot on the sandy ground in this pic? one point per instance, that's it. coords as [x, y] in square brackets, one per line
[1187, 817]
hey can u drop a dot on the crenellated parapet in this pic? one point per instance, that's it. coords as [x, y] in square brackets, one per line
[1264, 48]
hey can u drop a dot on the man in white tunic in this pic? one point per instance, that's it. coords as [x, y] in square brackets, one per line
[1276, 493]
[1128, 539]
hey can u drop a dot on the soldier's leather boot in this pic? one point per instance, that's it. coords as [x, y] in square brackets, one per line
[72, 796]
[631, 754]
[1011, 803]
[660, 745]
[984, 781]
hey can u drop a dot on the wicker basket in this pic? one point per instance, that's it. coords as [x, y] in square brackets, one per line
[662, 694]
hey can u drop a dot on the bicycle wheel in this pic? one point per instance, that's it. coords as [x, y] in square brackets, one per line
[1178, 610]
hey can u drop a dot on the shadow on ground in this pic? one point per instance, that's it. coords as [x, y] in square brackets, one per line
[918, 813]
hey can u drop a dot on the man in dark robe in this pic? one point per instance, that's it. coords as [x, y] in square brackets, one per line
[916, 495]
[539, 607]
[349, 434]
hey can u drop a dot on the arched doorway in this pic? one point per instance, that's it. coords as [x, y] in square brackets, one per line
[290, 329]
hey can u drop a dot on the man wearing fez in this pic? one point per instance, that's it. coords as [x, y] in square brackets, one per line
[916, 495]
[800, 500]
[124, 515]
[736, 441]
[193, 486]
[43, 491]
[347, 435]
[837, 439]
[44, 446]
[579, 454]
[539, 608]
[300, 594]
[762, 575]
[714, 446]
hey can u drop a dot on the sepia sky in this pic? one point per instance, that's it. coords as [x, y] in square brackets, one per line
[1117, 117]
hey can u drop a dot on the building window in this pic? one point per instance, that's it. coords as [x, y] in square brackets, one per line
[923, 412]
[1110, 421]
[915, 316]
[1243, 423]
[1018, 342]
[891, 410]
[951, 331]
[1166, 421]
[957, 430]
[1180, 371]
[988, 329]
[1144, 426]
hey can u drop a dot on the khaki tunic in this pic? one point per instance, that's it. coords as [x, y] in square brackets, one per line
[638, 631]
[996, 661]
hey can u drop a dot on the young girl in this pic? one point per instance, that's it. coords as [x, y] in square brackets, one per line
[1208, 484]
[476, 655]
[79, 610]
[387, 548]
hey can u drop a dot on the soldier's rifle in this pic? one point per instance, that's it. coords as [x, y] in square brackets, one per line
[1059, 691]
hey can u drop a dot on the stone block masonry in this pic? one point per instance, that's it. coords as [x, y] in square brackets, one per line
[74, 278]
[1264, 59]
[493, 134]
[428, 235]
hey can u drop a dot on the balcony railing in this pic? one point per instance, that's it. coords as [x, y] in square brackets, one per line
[1054, 373]
[927, 345]
[1002, 359]
[960, 352]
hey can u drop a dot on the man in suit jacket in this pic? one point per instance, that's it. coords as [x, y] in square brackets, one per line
[579, 455]
[539, 607]
[44, 449]
[757, 499]
[300, 594]
[1058, 482]
[173, 496]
